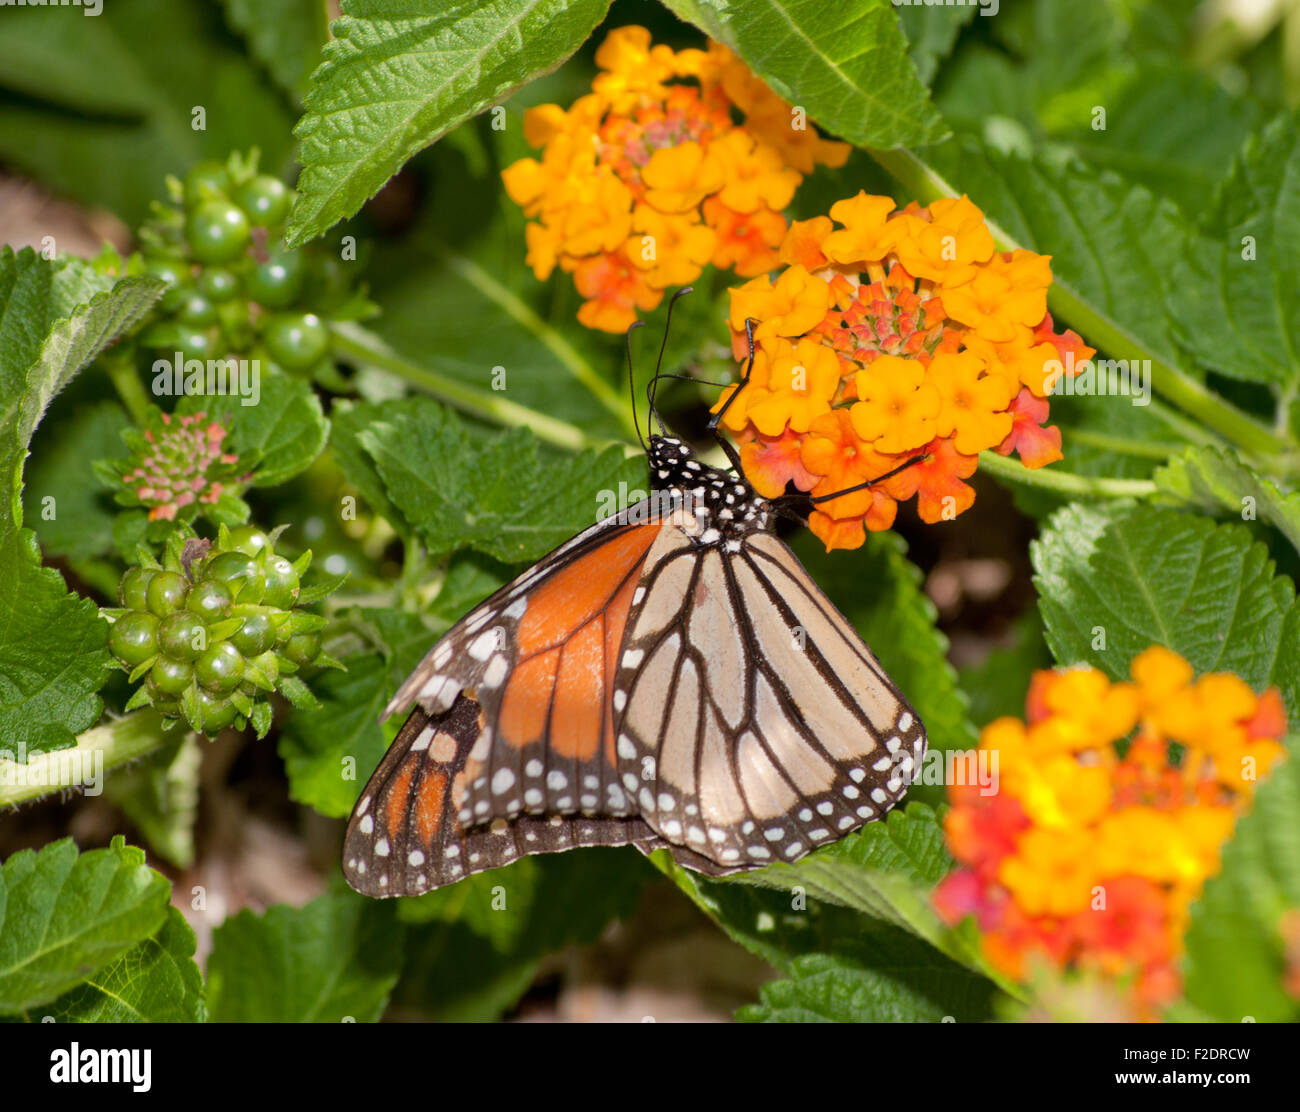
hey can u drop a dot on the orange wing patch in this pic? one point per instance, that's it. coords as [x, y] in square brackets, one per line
[580, 694]
[428, 805]
[527, 702]
[579, 593]
[398, 791]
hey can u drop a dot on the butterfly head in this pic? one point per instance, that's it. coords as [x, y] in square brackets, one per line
[723, 503]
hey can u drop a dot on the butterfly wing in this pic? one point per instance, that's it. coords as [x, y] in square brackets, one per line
[754, 721]
[535, 661]
[405, 838]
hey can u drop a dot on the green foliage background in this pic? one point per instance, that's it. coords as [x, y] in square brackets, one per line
[1141, 529]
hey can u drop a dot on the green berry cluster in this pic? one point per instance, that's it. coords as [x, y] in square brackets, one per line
[235, 289]
[215, 629]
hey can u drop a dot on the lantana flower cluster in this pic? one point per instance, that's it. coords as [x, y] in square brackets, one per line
[647, 179]
[1113, 802]
[890, 335]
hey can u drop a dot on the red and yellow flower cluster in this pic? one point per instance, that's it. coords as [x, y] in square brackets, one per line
[647, 179]
[1113, 802]
[894, 335]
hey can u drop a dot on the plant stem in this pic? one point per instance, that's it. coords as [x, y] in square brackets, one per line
[568, 356]
[1121, 445]
[1065, 482]
[354, 344]
[119, 362]
[1250, 436]
[96, 751]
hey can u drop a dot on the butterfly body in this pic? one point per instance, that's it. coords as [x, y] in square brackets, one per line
[670, 678]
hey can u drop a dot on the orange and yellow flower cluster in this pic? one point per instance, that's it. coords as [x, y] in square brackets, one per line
[893, 335]
[1113, 802]
[647, 179]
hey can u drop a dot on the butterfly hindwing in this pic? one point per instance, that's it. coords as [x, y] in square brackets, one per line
[781, 731]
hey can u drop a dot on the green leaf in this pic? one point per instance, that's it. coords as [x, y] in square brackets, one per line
[884, 976]
[348, 420]
[857, 968]
[1126, 577]
[398, 77]
[79, 521]
[155, 981]
[495, 495]
[335, 959]
[1113, 245]
[65, 915]
[472, 948]
[98, 113]
[330, 752]
[1213, 480]
[279, 436]
[285, 36]
[847, 66]
[1242, 931]
[1236, 300]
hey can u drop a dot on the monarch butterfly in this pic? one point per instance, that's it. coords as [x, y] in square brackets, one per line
[670, 678]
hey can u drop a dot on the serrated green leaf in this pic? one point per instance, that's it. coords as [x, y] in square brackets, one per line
[846, 65]
[1125, 578]
[398, 77]
[472, 948]
[1237, 940]
[156, 981]
[64, 915]
[1214, 480]
[279, 436]
[336, 959]
[349, 420]
[53, 652]
[1236, 301]
[495, 495]
[285, 36]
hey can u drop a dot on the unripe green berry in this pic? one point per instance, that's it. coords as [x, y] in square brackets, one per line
[210, 599]
[166, 592]
[253, 637]
[249, 539]
[132, 590]
[278, 281]
[171, 677]
[281, 583]
[183, 635]
[218, 284]
[296, 340]
[217, 232]
[134, 637]
[216, 712]
[238, 571]
[303, 648]
[204, 179]
[197, 309]
[220, 668]
[265, 199]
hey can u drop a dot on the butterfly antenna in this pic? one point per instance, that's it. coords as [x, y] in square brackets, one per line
[663, 346]
[631, 381]
[723, 442]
